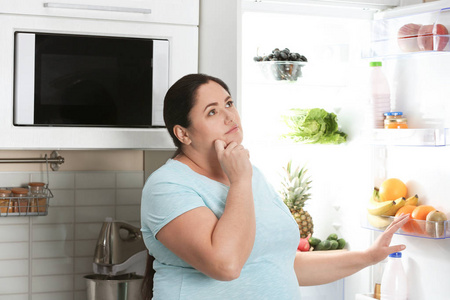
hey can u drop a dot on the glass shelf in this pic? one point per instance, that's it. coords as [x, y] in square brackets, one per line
[410, 35]
[409, 137]
[415, 228]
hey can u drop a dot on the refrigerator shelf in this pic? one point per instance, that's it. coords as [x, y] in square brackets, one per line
[419, 33]
[415, 228]
[409, 137]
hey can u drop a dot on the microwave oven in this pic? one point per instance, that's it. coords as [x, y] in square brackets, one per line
[89, 81]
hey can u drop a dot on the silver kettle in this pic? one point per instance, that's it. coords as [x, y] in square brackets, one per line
[117, 242]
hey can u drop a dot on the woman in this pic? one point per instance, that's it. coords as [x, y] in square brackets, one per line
[216, 228]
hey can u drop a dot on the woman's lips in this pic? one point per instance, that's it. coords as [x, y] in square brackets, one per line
[234, 129]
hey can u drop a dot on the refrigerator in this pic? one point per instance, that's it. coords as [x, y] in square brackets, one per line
[339, 41]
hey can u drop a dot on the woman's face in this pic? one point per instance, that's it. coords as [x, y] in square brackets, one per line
[213, 117]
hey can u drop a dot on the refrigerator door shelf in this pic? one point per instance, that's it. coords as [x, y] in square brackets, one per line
[395, 37]
[415, 228]
[409, 137]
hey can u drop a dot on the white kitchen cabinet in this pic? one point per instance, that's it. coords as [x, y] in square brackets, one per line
[183, 59]
[184, 12]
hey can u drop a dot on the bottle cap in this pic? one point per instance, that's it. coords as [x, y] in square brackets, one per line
[375, 63]
[393, 113]
[396, 255]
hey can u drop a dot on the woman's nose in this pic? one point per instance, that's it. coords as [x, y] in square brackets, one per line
[229, 118]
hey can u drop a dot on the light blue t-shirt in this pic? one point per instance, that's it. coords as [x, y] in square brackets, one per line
[268, 273]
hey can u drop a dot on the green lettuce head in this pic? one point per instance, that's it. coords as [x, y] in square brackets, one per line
[314, 126]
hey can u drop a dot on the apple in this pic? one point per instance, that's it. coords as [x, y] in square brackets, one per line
[303, 245]
[407, 37]
[435, 223]
[430, 33]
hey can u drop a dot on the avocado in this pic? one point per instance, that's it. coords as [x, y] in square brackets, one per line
[313, 241]
[332, 236]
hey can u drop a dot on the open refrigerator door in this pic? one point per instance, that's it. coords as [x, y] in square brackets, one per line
[339, 48]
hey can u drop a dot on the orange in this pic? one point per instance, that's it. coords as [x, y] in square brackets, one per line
[407, 210]
[392, 189]
[421, 212]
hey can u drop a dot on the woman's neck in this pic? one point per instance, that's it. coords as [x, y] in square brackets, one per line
[205, 165]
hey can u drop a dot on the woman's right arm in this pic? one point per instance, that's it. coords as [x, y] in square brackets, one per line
[218, 248]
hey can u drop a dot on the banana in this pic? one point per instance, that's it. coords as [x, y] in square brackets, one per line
[375, 194]
[378, 221]
[414, 200]
[400, 202]
[379, 208]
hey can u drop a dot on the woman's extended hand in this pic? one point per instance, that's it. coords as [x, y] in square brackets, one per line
[381, 248]
[234, 160]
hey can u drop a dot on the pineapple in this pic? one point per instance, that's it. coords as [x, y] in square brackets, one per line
[295, 187]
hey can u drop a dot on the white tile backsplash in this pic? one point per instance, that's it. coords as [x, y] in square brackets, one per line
[88, 231]
[83, 265]
[95, 197]
[15, 233]
[53, 266]
[88, 214]
[130, 212]
[14, 179]
[14, 285]
[52, 232]
[95, 180]
[85, 247]
[14, 297]
[14, 250]
[80, 283]
[46, 257]
[129, 196]
[55, 296]
[62, 198]
[52, 249]
[79, 295]
[56, 215]
[130, 180]
[62, 180]
[14, 268]
[57, 283]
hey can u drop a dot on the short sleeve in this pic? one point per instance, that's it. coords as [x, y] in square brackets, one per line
[163, 201]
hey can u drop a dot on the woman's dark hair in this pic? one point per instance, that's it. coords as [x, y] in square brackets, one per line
[179, 100]
[147, 282]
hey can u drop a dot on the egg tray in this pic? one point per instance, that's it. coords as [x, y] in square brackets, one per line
[23, 206]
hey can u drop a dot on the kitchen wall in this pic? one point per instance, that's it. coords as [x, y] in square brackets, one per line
[46, 257]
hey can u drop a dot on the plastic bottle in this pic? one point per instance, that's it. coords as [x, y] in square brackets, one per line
[393, 282]
[380, 95]
[378, 274]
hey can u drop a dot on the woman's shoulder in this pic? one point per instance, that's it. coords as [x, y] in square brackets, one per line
[171, 171]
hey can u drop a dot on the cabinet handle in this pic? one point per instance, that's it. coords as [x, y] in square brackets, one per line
[98, 7]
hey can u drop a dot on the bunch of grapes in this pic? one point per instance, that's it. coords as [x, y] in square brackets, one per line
[281, 55]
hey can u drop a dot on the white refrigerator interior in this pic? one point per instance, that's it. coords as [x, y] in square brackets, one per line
[343, 176]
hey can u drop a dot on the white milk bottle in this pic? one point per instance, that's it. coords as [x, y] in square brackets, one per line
[380, 96]
[393, 282]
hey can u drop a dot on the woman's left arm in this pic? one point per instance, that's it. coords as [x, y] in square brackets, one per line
[314, 268]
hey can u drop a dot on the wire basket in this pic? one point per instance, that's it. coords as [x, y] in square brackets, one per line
[32, 202]
[30, 205]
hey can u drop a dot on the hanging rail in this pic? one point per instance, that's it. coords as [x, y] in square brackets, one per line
[55, 160]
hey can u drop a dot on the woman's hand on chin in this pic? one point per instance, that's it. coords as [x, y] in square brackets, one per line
[234, 160]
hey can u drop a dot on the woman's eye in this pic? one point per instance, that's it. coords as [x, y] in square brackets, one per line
[212, 112]
[230, 103]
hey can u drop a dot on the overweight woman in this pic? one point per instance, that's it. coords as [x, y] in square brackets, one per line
[215, 227]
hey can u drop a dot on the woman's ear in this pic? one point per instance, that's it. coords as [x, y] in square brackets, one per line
[182, 134]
